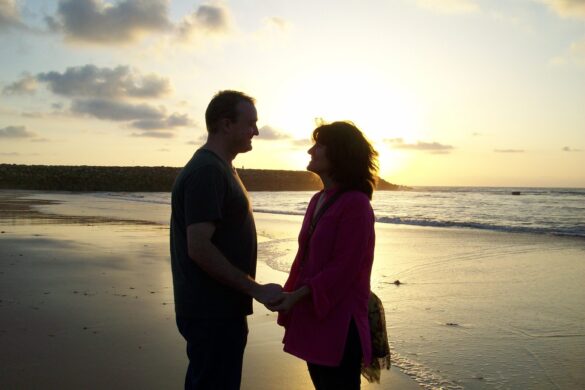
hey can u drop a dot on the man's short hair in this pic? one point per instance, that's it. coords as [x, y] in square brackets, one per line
[224, 106]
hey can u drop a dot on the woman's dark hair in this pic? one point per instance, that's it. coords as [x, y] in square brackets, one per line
[224, 105]
[354, 162]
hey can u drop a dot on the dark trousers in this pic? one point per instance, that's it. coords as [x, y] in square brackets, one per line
[346, 376]
[215, 348]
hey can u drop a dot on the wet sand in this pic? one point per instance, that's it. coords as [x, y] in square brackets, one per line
[86, 302]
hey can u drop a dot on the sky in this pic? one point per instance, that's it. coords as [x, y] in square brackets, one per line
[450, 92]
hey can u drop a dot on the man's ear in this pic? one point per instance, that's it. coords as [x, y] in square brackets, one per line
[225, 124]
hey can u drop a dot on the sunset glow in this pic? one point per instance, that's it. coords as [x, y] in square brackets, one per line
[463, 92]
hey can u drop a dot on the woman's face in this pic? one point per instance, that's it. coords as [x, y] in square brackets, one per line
[319, 163]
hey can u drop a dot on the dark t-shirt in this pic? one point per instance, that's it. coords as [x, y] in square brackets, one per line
[209, 190]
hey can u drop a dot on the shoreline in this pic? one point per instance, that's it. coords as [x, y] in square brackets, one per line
[67, 287]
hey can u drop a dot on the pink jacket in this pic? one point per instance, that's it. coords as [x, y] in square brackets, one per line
[337, 269]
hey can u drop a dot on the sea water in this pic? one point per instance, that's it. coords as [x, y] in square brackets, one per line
[493, 283]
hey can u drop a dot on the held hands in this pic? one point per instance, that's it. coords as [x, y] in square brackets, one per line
[286, 300]
[267, 293]
[283, 303]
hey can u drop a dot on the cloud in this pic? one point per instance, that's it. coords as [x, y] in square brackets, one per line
[508, 150]
[141, 116]
[270, 133]
[154, 134]
[431, 147]
[100, 22]
[102, 93]
[172, 121]
[567, 8]
[10, 16]
[208, 19]
[569, 149]
[449, 6]
[9, 154]
[575, 55]
[27, 85]
[276, 23]
[115, 111]
[302, 143]
[16, 132]
[118, 82]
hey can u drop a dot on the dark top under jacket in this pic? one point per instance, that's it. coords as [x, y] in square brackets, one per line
[209, 190]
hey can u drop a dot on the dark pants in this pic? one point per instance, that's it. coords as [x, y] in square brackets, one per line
[346, 376]
[215, 348]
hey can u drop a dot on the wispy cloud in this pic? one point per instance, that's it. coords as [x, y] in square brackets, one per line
[569, 149]
[277, 23]
[431, 147]
[172, 121]
[154, 134]
[509, 150]
[574, 55]
[100, 22]
[566, 8]
[301, 143]
[449, 6]
[16, 132]
[27, 85]
[10, 16]
[270, 133]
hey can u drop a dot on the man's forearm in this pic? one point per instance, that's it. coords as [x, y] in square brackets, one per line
[212, 261]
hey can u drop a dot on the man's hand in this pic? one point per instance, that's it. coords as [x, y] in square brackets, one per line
[267, 293]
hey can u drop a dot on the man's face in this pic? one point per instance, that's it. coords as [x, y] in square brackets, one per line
[244, 128]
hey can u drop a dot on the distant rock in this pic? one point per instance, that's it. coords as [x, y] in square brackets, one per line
[146, 179]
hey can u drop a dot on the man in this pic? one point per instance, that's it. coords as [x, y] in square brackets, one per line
[213, 248]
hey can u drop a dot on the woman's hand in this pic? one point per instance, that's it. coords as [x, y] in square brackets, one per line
[288, 299]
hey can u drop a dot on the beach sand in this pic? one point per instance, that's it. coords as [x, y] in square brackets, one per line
[86, 302]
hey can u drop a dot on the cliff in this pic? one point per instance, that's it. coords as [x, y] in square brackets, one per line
[145, 179]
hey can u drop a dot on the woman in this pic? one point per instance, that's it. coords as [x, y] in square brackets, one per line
[324, 308]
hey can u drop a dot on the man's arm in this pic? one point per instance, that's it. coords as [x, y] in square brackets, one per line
[202, 251]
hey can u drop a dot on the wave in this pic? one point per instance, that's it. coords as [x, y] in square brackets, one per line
[501, 190]
[570, 229]
[572, 232]
[280, 212]
[569, 232]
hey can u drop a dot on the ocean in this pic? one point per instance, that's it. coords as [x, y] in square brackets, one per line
[492, 291]
[550, 211]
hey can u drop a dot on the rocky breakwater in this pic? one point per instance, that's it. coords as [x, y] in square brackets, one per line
[145, 179]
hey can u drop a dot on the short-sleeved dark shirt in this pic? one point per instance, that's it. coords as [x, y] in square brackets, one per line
[209, 190]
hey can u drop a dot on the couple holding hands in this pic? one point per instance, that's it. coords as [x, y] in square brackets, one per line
[323, 305]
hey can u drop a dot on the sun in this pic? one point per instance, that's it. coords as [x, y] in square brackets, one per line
[379, 109]
[382, 110]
